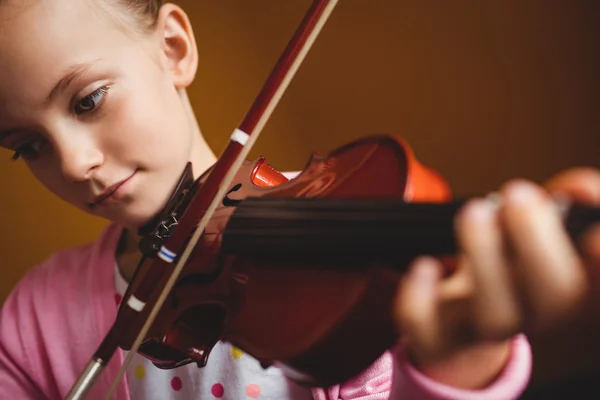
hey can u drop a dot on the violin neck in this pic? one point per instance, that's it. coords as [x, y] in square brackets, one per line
[346, 232]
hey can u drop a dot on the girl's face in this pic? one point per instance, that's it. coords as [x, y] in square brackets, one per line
[91, 107]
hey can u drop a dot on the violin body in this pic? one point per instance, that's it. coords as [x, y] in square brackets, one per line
[321, 325]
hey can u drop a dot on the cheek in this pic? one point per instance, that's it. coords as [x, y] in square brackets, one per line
[151, 127]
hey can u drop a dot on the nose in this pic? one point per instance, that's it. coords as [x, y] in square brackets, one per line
[79, 156]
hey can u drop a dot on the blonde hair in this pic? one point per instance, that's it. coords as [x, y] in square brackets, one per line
[145, 11]
[143, 14]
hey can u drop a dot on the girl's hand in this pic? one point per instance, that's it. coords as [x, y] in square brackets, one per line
[517, 271]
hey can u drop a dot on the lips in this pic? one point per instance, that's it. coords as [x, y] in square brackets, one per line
[108, 192]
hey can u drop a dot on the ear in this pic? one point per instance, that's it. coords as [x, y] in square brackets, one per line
[178, 44]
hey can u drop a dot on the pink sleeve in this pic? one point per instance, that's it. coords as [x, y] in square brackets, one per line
[410, 383]
[16, 370]
[393, 377]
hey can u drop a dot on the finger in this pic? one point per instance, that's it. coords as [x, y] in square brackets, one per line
[582, 184]
[551, 272]
[494, 302]
[417, 308]
[591, 244]
[590, 247]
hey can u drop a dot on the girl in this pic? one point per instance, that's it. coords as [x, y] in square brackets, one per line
[93, 99]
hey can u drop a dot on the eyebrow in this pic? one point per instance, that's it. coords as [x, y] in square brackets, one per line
[70, 75]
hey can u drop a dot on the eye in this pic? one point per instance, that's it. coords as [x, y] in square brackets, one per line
[91, 101]
[28, 151]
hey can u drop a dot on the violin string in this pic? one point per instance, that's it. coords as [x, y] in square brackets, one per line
[348, 230]
[224, 187]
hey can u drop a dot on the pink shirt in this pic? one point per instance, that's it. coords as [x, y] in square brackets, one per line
[60, 311]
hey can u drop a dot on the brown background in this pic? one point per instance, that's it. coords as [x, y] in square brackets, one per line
[484, 91]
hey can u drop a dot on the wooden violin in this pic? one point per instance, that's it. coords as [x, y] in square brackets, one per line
[292, 272]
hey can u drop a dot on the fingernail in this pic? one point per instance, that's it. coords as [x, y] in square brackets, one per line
[562, 201]
[495, 199]
[425, 268]
[481, 210]
[522, 193]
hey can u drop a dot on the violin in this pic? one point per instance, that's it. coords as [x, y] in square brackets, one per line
[291, 271]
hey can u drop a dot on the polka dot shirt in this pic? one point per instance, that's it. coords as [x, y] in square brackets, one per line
[230, 374]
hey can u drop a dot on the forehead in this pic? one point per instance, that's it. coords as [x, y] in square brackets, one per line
[48, 29]
[39, 39]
